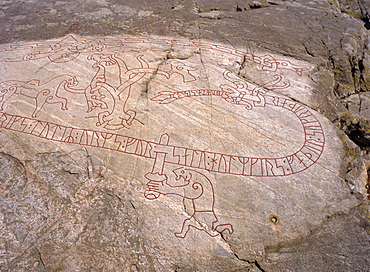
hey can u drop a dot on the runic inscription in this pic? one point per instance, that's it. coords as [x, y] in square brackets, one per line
[109, 91]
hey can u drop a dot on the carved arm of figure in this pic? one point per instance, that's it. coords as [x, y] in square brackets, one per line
[158, 183]
[189, 190]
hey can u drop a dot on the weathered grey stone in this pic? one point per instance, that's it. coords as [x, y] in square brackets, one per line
[344, 231]
[76, 203]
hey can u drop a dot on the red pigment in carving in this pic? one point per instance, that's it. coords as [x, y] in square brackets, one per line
[116, 115]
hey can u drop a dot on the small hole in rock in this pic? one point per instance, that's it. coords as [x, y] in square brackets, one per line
[274, 219]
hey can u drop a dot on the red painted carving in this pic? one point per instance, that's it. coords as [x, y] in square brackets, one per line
[240, 94]
[70, 47]
[157, 172]
[107, 95]
[65, 50]
[116, 115]
[6, 92]
[296, 162]
[269, 63]
[42, 93]
[194, 186]
[198, 188]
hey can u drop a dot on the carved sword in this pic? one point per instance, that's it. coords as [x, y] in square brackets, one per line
[157, 175]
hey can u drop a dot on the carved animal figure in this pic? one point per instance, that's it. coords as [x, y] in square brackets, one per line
[47, 92]
[113, 115]
[115, 79]
[6, 92]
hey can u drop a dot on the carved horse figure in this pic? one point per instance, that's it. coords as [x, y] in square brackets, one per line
[47, 92]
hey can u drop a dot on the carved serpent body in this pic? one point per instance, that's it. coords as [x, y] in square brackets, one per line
[306, 156]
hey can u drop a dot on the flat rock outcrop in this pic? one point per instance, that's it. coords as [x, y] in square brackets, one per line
[194, 136]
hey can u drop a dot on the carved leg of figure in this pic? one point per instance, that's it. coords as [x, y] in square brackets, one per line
[207, 219]
[41, 98]
[185, 228]
[58, 99]
[224, 227]
[63, 101]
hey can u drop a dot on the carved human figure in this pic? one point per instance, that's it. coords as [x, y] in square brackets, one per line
[196, 187]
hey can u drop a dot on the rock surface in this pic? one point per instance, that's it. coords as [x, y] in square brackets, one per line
[191, 136]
